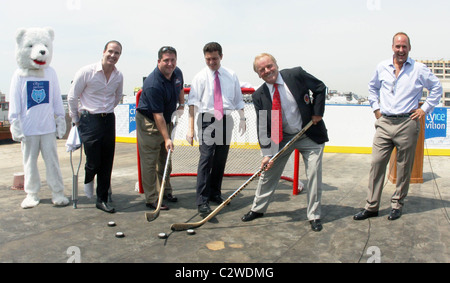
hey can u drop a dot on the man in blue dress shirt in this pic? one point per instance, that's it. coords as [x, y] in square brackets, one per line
[394, 94]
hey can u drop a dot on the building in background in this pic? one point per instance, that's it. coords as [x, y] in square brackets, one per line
[441, 68]
[4, 107]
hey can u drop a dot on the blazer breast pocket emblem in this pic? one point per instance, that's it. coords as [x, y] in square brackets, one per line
[306, 98]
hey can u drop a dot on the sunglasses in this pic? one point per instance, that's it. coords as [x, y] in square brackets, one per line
[167, 48]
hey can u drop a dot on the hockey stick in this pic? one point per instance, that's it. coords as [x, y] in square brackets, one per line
[152, 215]
[185, 226]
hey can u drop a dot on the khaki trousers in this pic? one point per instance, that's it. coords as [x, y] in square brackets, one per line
[401, 133]
[312, 154]
[153, 155]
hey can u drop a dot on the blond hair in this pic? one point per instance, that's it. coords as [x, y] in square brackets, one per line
[263, 55]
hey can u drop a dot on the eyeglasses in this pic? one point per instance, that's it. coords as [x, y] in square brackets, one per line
[394, 86]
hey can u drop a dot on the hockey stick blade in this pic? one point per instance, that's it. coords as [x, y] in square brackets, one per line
[152, 215]
[185, 226]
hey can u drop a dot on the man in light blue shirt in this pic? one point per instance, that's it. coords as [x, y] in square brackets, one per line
[394, 94]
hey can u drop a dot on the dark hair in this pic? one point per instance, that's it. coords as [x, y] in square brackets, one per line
[166, 49]
[212, 47]
[113, 41]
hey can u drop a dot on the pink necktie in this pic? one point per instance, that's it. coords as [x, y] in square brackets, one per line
[277, 120]
[218, 103]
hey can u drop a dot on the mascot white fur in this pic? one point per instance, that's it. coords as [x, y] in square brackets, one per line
[36, 113]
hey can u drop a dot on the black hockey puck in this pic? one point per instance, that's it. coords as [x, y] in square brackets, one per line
[162, 235]
[111, 223]
[190, 232]
[120, 235]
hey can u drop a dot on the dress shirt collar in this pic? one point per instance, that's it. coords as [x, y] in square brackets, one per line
[213, 73]
[409, 61]
[99, 68]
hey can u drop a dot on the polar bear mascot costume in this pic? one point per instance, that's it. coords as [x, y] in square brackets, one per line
[37, 113]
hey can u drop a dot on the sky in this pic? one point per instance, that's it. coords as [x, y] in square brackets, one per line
[338, 41]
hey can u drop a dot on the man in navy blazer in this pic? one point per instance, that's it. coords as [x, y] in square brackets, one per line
[302, 100]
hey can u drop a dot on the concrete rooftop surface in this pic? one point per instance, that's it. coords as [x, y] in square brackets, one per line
[51, 234]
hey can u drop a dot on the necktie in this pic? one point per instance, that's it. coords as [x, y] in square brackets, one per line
[218, 103]
[277, 120]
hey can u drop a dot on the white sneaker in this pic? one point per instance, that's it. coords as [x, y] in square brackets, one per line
[89, 189]
[59, 199]
[301, 186]
[30, 201]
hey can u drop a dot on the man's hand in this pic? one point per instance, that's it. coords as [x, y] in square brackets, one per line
[242, 127]
[418, 114]
[190, 136]
[377, 114]
[316, 119]
[266, 164]
[169, 145]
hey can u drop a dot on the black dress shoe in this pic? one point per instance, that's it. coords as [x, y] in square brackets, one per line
[316, 225]
[251, 215]
[105, 207]
[204, 208]
[395, 214]
[155, 205]
[364, 214]
[171, 198]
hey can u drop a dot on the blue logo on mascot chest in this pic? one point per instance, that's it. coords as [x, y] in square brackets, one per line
[37, 93]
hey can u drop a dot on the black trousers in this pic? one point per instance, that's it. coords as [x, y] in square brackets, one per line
[215, 138]
[98, 135]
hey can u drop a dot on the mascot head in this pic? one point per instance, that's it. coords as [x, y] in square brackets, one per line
[34, 50]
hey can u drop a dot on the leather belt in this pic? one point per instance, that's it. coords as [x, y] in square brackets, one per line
[102, 115]
[398, 115]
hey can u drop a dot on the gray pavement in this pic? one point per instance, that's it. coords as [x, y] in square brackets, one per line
[57, 235]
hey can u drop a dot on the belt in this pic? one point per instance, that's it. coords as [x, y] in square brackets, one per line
[405, 115]
[102, 115]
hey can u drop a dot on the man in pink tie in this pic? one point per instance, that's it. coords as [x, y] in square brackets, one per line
[215, 93]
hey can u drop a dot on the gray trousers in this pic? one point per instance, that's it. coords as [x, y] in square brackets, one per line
[312, 154]
[401, 133]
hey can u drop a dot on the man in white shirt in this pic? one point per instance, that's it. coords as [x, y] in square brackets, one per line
[394, 94]
[98, 89]
[215, 93]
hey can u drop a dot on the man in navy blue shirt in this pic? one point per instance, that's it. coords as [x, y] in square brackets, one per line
[162, 91]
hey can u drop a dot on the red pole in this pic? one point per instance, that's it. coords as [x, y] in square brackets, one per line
[141, 190]
[296, 169]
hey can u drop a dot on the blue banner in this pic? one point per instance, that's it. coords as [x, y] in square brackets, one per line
[132, 115]
[436, 123]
